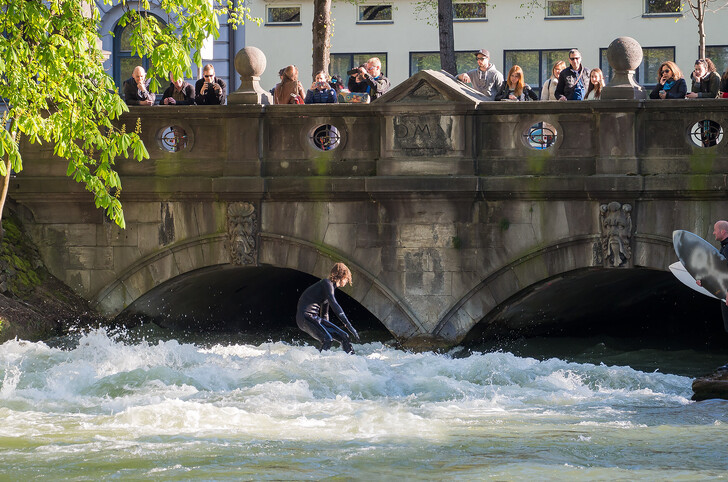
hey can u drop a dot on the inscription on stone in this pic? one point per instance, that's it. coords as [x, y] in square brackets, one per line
[427, 134]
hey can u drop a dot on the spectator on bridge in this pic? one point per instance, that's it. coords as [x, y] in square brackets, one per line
[369, 79]
[706, 81]
[486, 79]
[515, 87]
[136, 88]
[321, 91]
[210, 90]
[312, 313]
[596, 83]
[280, 76]
[724, 84]
[179, 92]
[290, 90]
[720, 231]
[548, 90]
[573, 80]
[670, 82]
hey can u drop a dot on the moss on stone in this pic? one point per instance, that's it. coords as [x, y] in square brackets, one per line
[19, 260]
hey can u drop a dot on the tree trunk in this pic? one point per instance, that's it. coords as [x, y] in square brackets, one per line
[321, 35]
[701, 27]
[6, 185]
[447, 37]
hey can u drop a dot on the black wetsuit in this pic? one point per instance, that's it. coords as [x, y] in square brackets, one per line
[312, 316]
[723, 307]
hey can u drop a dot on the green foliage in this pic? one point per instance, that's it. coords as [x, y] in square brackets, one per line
[56, 91]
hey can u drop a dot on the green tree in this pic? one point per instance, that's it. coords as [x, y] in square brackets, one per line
[55, 91]
[699, 8]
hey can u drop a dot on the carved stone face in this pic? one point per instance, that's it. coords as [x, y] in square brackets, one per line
[616, 232]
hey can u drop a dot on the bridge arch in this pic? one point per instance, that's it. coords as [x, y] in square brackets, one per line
[273, 250]
[569, 254]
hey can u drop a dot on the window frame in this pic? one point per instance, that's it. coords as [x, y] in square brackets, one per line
[646, 14]
[469, 19]
[118, 54]
[563, 17]
[638, 71]
[268, 7]
[383, 56]
[721, 68]
[437, 52]
[536, 87]
[359, 21]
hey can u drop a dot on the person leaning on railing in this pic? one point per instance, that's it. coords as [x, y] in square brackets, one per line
[670, 82]
[724, 85]
[706, 81]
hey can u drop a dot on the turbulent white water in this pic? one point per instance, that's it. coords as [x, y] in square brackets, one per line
[166, 410]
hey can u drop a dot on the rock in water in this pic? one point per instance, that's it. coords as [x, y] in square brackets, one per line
[710, 386]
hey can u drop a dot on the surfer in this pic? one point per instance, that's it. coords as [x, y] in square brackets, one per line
[312, 314]
[720, 231]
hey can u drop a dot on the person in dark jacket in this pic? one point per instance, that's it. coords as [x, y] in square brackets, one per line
[370, 79]
[670, 82]
[706, 81]
[321, 91]
[515, 87]
[312, 313]
[210, 90]
[179, 92]
[136, 88]
[573, 80]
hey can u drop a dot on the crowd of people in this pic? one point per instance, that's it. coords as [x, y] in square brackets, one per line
[367, 82]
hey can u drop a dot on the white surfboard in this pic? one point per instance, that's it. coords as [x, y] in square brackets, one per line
[685, 278]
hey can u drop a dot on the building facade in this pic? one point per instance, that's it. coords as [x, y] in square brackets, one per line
[404, 35]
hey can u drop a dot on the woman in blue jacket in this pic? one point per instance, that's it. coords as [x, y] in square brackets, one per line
[321, 91]
[670, 83]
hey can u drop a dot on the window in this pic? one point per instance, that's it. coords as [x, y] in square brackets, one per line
[646, 73]
[464, 61]
[469, 11]
[536, 64]
[283, 16]
[563, 8]
[663, 6]
[375, 13]
[339, 64]
[719, 55]
[123, 62]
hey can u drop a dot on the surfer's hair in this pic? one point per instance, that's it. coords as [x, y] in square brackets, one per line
[340, 272]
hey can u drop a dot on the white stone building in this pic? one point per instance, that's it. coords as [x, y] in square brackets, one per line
[407, 41]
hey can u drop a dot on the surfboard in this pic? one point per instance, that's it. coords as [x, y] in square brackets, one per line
[702, 261]
[684, 277]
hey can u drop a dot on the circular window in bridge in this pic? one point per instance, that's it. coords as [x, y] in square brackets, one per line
[540, 135]
[325, 137]
[173, 138]
[706, 133]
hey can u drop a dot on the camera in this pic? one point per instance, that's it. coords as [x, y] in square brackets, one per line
[352, 72]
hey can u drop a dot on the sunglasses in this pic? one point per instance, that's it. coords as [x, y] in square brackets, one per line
[206, 76]
[482, 58]
[666, 71]
[574, 58]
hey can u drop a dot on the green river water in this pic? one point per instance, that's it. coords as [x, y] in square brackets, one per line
[136, 406]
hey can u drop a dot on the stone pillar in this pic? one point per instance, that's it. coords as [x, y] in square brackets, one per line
[250, 64]
[624, 55]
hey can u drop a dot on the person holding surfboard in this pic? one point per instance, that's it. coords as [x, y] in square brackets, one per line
[312, 315]
[720, 231]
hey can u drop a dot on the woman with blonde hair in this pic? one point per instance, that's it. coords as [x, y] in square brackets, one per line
[548, 90]
[290, 90]
[312, 314]
[670, 82]
[596, 82]
[515, 87]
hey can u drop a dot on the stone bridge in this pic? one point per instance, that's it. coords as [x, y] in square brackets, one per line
[443, 206]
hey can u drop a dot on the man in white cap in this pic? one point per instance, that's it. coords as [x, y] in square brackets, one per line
[486, 78]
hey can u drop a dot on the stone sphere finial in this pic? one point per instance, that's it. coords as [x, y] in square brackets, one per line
[250, 62]
[624, 53]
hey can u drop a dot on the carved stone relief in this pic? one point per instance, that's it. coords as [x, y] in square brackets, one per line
[242, 229]
[616, 222]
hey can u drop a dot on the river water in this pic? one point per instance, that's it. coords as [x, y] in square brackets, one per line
[100, 406]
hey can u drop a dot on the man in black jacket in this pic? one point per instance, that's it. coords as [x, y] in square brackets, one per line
[209, 90]
[573, 80]
[179, 92]
[136, 88]
[370, 79]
